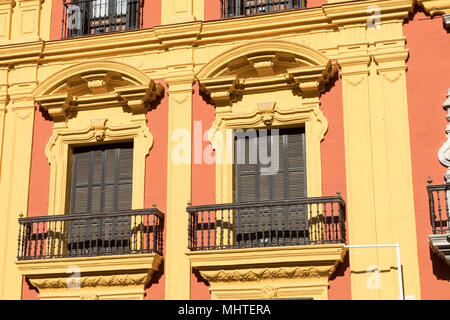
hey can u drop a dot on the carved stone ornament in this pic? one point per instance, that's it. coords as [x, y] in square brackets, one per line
[99, 127]
[264, 274]
[444, 151]
[267, 110]
[92, 281]
[446, 19]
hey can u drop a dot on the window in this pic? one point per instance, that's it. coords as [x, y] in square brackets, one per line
[281, 178]
[87, 17]
[101, 184]
[231, 8]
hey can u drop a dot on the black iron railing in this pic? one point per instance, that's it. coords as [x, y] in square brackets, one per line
[232, 8]
[439, 210]
[300, 221]
[85, 235]
[89, 17]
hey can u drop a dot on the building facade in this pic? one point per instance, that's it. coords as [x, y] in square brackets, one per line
[224, 149]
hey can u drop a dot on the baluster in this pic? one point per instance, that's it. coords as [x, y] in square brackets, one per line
[42, 237]
[147, 230]
[221, 229]
[439, 211]
[142, 233]
[209, 229]
[19, 241]
[229, 224]
[202, 228]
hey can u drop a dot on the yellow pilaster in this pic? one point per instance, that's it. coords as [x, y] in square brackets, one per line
[14, 189]
[177, 271]
[177, 11]
[379, 176]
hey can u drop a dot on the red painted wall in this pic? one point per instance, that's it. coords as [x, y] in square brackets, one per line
[39, 180]
[156, 179]
[203, 176]
[152, 13]
[333, 176]
[428, 78]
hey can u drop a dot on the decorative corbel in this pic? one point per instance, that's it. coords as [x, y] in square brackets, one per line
[222, 91]
[446, 20]
[139, 99]
[99, 127]
[57, 106]
[267, 112]
[444, 151]
[435, 6]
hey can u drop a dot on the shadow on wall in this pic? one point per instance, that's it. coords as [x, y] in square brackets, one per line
[440, 269]
[341, 268]
[156, 276]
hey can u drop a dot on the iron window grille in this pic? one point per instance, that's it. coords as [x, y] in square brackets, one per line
[91, 17]
[232, 8]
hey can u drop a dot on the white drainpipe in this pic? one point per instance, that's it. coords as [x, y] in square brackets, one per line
[399, 266]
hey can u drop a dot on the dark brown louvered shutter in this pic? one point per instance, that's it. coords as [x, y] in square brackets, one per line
[101, 183]
[288, 182]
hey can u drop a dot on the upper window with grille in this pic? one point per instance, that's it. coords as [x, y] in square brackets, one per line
[232, 8]
[89, 17]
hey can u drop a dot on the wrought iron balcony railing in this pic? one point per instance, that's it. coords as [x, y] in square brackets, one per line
[302, 221]
[232, 8]
[438, 196]
[86, 235]
[90, 17]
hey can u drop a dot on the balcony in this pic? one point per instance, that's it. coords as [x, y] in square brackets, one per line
[91, 17]
[232, 8]
[438, 196]
[304, 221]
[244, 250]
[104, 254]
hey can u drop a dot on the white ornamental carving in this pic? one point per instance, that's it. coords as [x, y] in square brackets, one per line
[444, 151]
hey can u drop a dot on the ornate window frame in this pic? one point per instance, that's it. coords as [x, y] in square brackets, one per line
[80, 120]
[304, 83]
[245, 99]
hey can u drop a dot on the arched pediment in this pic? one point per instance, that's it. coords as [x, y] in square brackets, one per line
[245, 60]
[265, 66]
[96, 84]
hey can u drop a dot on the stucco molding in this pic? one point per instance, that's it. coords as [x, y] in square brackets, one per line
[289, 272]
[446, 20]
[91, 277]
[244, 78]
[434, 7]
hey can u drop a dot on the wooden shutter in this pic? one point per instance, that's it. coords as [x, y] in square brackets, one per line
[288, 182]
[101, 183]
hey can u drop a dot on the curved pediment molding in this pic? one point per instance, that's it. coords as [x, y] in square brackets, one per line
[264, 67]
[96, 85]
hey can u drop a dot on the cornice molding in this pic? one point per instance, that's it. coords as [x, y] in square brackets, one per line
[91, 277]
[164, 37]
[434, 7]
[243, 275]
[138, 99]
[446, 20]
[290, 272]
